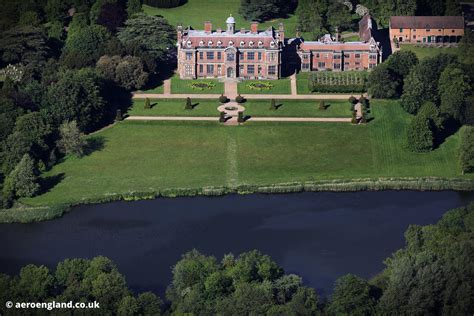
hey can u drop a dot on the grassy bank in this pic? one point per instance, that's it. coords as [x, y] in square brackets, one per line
[146, 159]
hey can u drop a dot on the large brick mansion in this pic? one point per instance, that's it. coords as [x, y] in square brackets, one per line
[257, 54]
[230, 53]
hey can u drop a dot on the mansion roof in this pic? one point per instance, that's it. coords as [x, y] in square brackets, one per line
[427, 22]
[371, 45]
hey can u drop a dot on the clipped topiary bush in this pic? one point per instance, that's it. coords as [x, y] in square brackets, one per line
[322, 105]
[189, 105]
[223, 99]
[222, 117]
[147, 104]
[273, 105]
[240, 99]
[118, 115]
[240, 118]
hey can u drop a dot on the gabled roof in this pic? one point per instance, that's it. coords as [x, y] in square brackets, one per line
[365, 28]
[427, 22]
[371, 45]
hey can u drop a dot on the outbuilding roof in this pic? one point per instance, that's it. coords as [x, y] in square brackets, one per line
[427, 22]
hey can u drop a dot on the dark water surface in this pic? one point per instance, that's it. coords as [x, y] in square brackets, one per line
[319, 236]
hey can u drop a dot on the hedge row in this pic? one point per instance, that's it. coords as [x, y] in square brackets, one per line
[32, 214]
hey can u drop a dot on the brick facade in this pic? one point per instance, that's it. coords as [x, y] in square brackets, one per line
[245, 54]
[427, 29]
[330, 54]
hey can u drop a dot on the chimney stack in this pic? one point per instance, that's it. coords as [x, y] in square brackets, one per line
[242, 30]
[254, 27]
[179, 30]
[219, 30]
[208, 27]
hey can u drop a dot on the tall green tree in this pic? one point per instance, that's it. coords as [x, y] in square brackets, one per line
[24, 178]
[71, 140]
[263, 10]
[152, 34]
[311, 17]
[383, 82]
[454, 89]
[466, 151]
[133, 7]
[352, 296]
[419, 136]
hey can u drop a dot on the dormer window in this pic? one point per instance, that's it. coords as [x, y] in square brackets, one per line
[188, 43]
[242, 43]
[260, 43]
[231, 43]
[251, 44]
[209, 43]
[272, 44]
[201, 43]
[219, 43]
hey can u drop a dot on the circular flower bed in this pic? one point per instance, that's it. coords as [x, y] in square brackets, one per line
[203, 85]
[231, 108]
[260, 85]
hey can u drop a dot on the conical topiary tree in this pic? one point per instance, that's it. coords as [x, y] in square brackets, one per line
[189, 105]
[147, 104]
[118, 115]
[273, 105]
[322, 105]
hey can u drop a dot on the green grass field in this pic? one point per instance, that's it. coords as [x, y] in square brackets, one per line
[217, 12]
[158, 89]
[426, 52]
[282, 86]
[175, 107]
[147, 156]
[297, 108]
[181, 86]
[302, 79]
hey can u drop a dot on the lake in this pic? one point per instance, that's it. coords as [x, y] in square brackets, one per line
[319, 236]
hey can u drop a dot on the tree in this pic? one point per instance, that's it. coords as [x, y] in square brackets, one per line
[383, 82]
[133, 7]
[453, 8]
[34, 283]
[421, 84]
[322, 105]
[189, 105]
[419, 134]
[147, 104]
[86, 44]
[310, 15]
[128, 306]
[273, 105]
[352, 296]
[430, 111]
[24, 178]
[126, 71]
[112, 16]
[382, 10]
[149, 304]
[263, 10]
[466, 48]
[76, 96]
[71, 139]
[466, 156]
[24, 44]
[454, 88]
[401, 62]
[151, 34]
[338, 16]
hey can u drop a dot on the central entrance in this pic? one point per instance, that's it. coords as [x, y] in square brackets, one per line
[230, 72]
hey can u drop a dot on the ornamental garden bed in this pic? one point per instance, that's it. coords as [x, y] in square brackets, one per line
[281, 86]
[197, 86]
[338, 82]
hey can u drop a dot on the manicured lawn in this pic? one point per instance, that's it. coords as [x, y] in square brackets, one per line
[282, 86]
[302, 83]
[297, 108]
[175, 107]
[147, 156]
[425, 52]
[180, 86]
[195, 12]
[158, 89]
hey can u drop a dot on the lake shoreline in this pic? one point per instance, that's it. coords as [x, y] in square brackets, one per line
[30, 213]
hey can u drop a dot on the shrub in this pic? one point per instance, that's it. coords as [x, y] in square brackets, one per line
[322, 105]
[419, 136]
[222, 117]
[118, 115]
[223, 99]
[466, 157]
[240, 118]
[203, 85]
[353, 100]
[273, 105]
[354, 117]
[147, 104]
[239, 99]
[189, 105]
[71, 140]
[260, 85]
